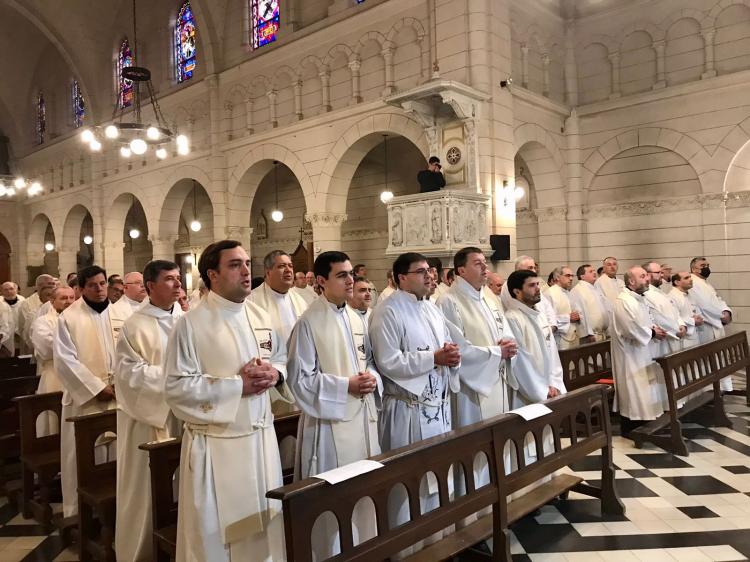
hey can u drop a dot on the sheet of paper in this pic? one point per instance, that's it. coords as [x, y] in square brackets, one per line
[349, 471]
[24, 357]
[532, 411]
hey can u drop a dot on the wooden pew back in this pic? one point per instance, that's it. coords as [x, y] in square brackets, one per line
[87, 429]
[586, 364]
[164, 461]
[582, 413]
[29, 409]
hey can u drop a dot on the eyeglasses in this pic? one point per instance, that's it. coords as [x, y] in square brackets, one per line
[421, 271]
[136, 283]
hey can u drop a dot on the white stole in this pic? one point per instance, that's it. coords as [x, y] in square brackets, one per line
[83, 332]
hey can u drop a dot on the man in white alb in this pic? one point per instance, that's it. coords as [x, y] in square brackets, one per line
[131, 300]
[301, 288]
[545, 306]
[143, 414]
[7, 330]
[11, 297]
[389, 289]
[682, 284]
[592, 306]
[608, 283]
[566, 308]
[29, 309]
[221, 360]
[333, 378]
[664, 313]
[84, 358]
[362, 299]
[666, 277]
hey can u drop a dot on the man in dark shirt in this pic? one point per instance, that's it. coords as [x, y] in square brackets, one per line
[432, 178]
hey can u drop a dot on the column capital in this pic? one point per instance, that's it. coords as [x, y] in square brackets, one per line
[322, 219]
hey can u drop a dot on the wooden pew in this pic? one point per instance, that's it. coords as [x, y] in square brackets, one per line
[286, 426]
[10, 429]
[686, 373]
[583, 414]
[13, 367]
[40, 456]
[96, 488]
[586, 364]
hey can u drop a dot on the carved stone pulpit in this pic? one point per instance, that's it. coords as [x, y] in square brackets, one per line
[438, 224]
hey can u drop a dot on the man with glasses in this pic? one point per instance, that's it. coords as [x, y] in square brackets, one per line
[664, 313]
[132, 298]
[567, 314]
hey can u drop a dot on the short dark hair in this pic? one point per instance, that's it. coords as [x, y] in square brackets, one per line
[71, 274]
[323, 262]
[153, 268]
[358, 267]
[517, 279]
[73, 281]
[270, 258]
[115, 281]
[433, 160]
[360, 279]
[113, 277]
[402, 264]
[87, 273]
[451, 274]
[462, 256]
[437, 264]
[256, 282]
[675, 279]
[581, 271]
[599, 270]
[211, 257]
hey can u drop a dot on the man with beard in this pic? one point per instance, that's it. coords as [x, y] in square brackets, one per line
[682, 284]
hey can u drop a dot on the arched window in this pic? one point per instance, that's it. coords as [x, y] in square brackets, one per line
[78, 106]
[124, 87]
[41, 117]
[264, 22]
[184, 43]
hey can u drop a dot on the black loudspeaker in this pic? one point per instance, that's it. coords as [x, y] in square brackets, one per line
[501, 247]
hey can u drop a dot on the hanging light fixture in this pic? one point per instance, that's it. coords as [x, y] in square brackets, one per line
[136, 137]
[133, 232]
[195, 225]
[10, 185]
[88, 239]
[276, 215]
[387, 194]
[49, 246]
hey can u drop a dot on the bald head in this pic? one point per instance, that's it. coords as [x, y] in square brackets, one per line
[495, 282]
[62, 298]
[636, 279]
[45, 280]
[134, 288]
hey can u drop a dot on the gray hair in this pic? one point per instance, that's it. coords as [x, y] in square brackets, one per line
[42, 279]
[270, 258]
[557, 272]
[520, 259]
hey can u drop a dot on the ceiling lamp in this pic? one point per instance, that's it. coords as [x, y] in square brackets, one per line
[88, 239]
[49, 246]
[134, 233]
[195, 224]
[387, 194]
[276, 215]
[519, 192]
[12, 184]
[135, 136]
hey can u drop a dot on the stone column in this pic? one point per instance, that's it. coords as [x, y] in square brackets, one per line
[708, 48]
[614, 59]
[228, 107]
[114, 260]
[524, 65]
[571, 69]
[243, 234]
[272, 108]
[326, 230]
[67, 259]
[661, 79]
[162, 247]
[390, 84]
[325, 86]
[545, 75]
[249, 127]
[354, 66]
[298, 99]
[576, 225]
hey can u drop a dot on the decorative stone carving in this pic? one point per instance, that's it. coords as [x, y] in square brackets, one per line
[551, 214]
[325, 219]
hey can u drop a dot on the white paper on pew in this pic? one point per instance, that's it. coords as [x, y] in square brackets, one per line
[532, 411]
[24, 357]
[349, 471]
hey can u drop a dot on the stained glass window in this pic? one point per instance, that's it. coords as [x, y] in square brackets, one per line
[184, 43]
[77, 104]
[265, 21]
[41, 118]
[125, 87]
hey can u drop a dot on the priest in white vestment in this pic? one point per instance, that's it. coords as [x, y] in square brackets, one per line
[545, 306]
[11, 297]
[143, 415]
[301, 288]
[29, 309]
[494, 287]
[418, 362]
[131, 300]
[389, 289]
[682, 283]
[638, 397]
[566, 309]
[713, 308]
[362, 299]
[7, 330]
[608, 283]
[664, 314]
[666, 277]
[84, 358]
[592, 306]
[221, 360]
[43, 333]
[332, 375]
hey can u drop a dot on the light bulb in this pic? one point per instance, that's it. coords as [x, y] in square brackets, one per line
[95, 145]
[88, 239]
[189, 259]
[134, 233]
[35, 188]
[125, 152]
[195, 226]
[161, 153]
[49, 246]
[138, 146]
[3, 190]
[386, 196]
[10, 192]
[87, 135]
[181, 140]
[183, 149]
[519, 192]
[153, 133]
[111, 132]
[277, 216]
[19, 183]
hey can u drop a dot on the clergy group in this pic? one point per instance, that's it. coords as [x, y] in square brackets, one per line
[435, 350]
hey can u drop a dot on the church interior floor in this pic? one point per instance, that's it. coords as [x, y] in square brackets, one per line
[690, 509]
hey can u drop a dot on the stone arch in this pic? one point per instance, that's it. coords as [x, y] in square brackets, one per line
[656, 32]
[36, 233]
[117, 214]
[710, 19]
[670, 139]
[310, 59]
[529, 132]
[354, 144]
[367, 37]
[611, 44]
[686, 13]
[280, 73]
[736, 145]
[534, 37]
[547, 187]
[346, 50]
[72, 227]
[170, 206]
[406, 22]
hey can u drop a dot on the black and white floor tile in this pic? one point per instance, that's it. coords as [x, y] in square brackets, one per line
[691, 509]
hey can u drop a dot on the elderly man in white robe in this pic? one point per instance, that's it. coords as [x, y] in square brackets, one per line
[301, 289]
[143, 414]
[664, 314]
[43, 332]
[592, 306]
[608, 283]
[84, 358]
[418, 361]
[132, 298]
[713, 308]
[332, 375]
[638, 396]
[221, 360]
[682, 283]
[568, 316]
[30, 308]
[10, 296]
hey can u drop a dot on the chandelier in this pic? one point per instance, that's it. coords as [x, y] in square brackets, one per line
[12, 185]
[136, 136]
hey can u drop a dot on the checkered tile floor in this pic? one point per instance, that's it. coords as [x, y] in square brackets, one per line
[678, 509]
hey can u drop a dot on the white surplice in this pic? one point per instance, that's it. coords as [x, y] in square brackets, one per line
[637, 392]
[594, 309]
[566, 335]
[230, 456]
[328, 345]
[610, 287]
[15, 309]
[284, 309]
[43, 332]
[384, 294]
[7, 328]
[544, 306]
[665, 315]
[121, 311]
[142, 416]
[27, 313]
[687, 312]
[307, 295]
[84, 358]
[704, 296]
